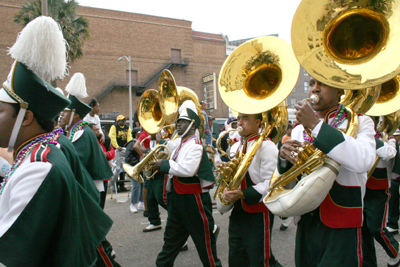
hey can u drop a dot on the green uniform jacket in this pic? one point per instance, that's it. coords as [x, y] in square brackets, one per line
[61, 225]
[91, 155]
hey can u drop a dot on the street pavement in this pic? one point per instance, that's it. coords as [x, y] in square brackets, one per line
[133, 247]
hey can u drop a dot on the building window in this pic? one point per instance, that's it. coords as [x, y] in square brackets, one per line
[292, 102]
[306, 87]
[305, 73]
[134, 77]
[176, 56]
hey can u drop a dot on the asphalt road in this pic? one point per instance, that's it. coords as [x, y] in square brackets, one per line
[133, 247]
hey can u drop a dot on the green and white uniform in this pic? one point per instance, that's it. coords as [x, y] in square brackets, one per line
[335, 226]
[46, 217]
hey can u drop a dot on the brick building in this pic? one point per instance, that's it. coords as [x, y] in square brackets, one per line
[154, 43]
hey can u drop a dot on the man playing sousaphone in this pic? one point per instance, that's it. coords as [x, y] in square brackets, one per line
[331, 234]
[250, 220]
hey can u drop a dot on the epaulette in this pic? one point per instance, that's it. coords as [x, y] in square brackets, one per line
[39, 153]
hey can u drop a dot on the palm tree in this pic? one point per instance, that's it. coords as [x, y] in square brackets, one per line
[75, 29]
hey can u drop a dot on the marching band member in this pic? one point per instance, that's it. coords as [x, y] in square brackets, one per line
[250, 223]
[88, 149]
[189, 202]
[40, 199]
[376, 201]
[331, 234]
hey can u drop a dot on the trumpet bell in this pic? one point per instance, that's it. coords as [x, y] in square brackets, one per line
[348, 44]
[261, 72]
[389, 98]
[149, 112]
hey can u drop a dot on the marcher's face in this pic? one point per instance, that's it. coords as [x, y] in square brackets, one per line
[328, 96]
[96, 108]
[181, 126]
[65, 116]
[397, 137]
[234, 125]
[204, 105]
[7, 122]
[249, 123]
[96, 130]
[121, 122]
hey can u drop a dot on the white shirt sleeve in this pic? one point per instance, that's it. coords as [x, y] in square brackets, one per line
[188, 162]
[19, 191]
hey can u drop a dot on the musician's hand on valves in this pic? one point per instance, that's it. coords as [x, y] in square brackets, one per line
[231, 196]
[157, 164]
[306, 115]
[288, 150]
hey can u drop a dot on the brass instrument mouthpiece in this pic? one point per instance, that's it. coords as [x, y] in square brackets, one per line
[314, 99]
[239, 129]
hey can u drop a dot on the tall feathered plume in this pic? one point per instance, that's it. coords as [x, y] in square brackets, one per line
[41, 47]
[77, 86]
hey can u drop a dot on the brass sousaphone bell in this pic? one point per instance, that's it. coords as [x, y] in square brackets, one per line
[387, 106]
[348, 44]
[256, 78]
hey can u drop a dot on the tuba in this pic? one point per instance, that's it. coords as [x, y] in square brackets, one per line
[152, 120]
[387, 107]
[340, 44]
[256, 78]
[348, 44]
[157, 112]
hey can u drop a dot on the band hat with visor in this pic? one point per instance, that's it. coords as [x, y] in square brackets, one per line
[39, 53]
[188, 111]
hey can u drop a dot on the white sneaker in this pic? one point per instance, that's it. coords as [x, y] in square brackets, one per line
[394, 262]
[152, 227]
[133, 208]
[391, 230]
[140, 206]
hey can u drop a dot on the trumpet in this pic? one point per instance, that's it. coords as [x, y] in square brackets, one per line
[146, 163]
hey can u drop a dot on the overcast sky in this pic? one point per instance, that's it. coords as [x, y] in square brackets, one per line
[237, 19]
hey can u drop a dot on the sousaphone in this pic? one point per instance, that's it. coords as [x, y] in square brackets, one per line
[348, 44]
[256, 78]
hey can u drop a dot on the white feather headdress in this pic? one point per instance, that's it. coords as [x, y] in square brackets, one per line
[41, 47]
[77, 86]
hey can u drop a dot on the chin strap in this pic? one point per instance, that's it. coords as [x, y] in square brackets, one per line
[70, 120]
[187, 129]
[17, 126]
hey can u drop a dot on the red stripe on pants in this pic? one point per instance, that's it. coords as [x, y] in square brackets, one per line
[103, 255]
[267, 241]
[359, 247]
[206, 229]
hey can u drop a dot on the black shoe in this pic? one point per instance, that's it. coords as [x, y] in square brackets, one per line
[145, 213]
[283, 228]
[185, 247]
